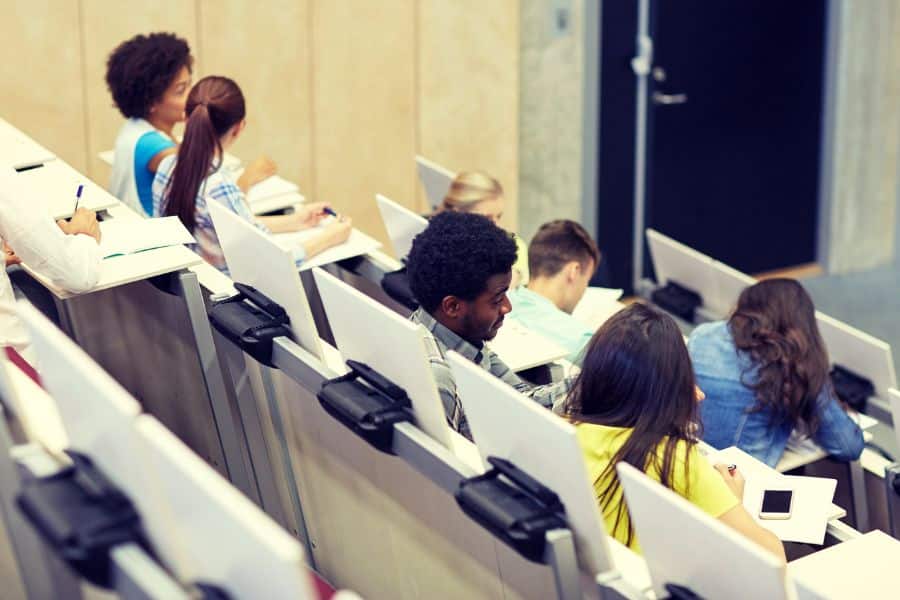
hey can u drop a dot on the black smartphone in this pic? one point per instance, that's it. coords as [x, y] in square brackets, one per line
[776, 504]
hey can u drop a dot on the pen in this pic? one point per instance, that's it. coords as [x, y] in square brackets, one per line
[329, 211]
[77, 197]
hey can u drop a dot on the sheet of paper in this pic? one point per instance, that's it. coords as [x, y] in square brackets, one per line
[128, 237]
[270, 187]
[597, 305]
[521, 348]
[812, 508]
[359, 243]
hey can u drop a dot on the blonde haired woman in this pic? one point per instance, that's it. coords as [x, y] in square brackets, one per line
[479, 193]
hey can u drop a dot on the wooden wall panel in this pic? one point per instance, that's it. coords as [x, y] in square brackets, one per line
[364, 105]
[107, 23]
[468, 70]
[264, 47]
[41, 80]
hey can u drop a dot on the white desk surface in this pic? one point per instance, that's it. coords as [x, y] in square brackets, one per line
[794, 458]
[122, 270]
[54, 186]
[752, 467]
[18, 149]
[858, 568]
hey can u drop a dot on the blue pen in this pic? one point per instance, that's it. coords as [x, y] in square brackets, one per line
[77, 197]
[329, 211]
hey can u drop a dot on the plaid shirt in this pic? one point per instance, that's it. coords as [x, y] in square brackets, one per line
[552, 395]
[219, 186]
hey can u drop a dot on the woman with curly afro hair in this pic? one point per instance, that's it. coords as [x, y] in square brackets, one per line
[149, 77]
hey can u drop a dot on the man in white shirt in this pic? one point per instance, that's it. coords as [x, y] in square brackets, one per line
[67, 253]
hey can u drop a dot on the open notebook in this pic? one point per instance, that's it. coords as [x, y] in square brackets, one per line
[358, 243]
[119, 237]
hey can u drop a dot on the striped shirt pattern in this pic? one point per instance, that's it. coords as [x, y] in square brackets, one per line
[221, 187]
[442, 339]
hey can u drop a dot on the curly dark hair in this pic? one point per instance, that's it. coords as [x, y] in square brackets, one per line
[140, 69]
[455, 256]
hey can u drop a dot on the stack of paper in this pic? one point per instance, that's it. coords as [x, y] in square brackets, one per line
[357, 244]
[273, 193]
[521, 348]
[120, 237]
[597, 305]
[812, 497]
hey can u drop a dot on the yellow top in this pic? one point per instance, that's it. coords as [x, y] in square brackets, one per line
[703, 486]
[521, 264]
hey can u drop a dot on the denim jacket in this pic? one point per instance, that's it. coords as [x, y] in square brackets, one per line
[726, 412]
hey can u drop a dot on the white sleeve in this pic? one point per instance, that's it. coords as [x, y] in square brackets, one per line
[70, 261]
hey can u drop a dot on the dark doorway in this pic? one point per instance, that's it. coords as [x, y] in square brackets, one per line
[734, 128]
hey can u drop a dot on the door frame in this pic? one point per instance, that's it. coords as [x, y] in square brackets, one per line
[591, 96]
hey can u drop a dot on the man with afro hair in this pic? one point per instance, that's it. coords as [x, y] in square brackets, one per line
[149, 77]
[460, 269]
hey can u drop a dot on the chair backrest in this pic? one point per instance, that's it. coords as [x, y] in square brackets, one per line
[685, 546]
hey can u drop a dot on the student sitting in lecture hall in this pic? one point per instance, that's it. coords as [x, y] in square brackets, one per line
[635, 400]
[66, 252]
[479, 193]
[460, 269]
[186, 181]
[765, 374]
[562, 258]
[149, 77]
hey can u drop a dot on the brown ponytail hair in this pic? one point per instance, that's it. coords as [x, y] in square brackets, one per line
[214, 106]
[775, 323]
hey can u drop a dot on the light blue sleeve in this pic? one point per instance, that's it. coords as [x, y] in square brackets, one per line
[149, 145]
[837, 434]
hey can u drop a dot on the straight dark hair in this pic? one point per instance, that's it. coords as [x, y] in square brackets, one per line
[637, 374]
[775, 323]
[214, 105]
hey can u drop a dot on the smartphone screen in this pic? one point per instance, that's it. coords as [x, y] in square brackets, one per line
[776, 502]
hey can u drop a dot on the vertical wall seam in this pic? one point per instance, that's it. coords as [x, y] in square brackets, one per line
[418, 199]
[311, 115]
[85, 118]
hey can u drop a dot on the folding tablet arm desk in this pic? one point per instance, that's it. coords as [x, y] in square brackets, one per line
[136, 575]
[410, 444]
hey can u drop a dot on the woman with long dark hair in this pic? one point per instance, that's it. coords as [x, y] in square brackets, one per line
[635, 401]
[185, 182]
[765, 373]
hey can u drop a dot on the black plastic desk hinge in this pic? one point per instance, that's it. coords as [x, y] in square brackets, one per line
[81, 516]
[251, 320]
[513, 507]
[678, 300]
[680, 592]
[852, 388]
[208, 591]
[367, 403]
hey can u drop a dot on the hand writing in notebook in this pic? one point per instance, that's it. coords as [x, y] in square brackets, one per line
[83, 221]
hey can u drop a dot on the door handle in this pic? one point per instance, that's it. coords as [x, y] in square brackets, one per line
[668, 99]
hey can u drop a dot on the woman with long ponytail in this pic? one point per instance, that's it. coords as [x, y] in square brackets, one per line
[765, 374]
[185, 182]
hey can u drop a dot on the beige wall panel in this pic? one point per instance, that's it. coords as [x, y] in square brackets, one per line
[364, 105]
[264, 47]
[41, 74]
[469, 89]
[107, 23]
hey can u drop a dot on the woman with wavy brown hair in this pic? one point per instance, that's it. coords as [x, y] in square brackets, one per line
[765, 373]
